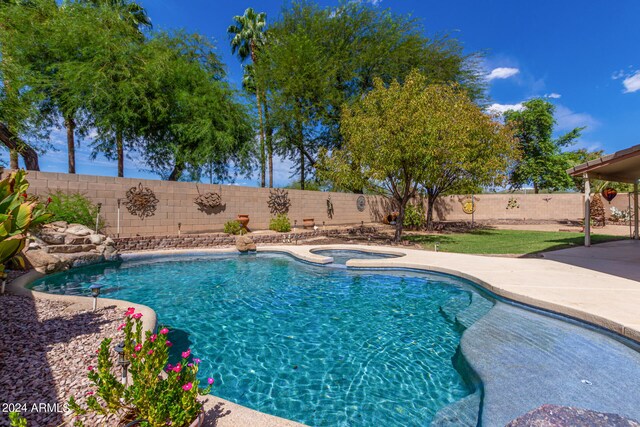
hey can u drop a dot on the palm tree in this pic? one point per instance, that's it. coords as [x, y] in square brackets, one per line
[247, 36]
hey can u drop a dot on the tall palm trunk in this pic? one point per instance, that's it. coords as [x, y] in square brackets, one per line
[262, 150]
[269, 138]
[70, 124]
[252, 53]
[120, 151]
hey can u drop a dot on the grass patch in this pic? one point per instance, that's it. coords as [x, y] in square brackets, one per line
[506, 241]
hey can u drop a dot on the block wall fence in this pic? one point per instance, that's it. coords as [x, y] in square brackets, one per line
[176, 205]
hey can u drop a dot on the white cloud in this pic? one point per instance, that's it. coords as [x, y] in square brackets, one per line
[632, 83]
[568, 119]
[502, 73]
[502, 108]
[553, 95]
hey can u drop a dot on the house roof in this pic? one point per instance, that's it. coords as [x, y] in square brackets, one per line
[621, 166]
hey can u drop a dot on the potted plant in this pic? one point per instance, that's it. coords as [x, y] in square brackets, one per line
[158, 394]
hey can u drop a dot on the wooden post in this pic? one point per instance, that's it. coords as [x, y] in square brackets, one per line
[587, 211]
[635, 209]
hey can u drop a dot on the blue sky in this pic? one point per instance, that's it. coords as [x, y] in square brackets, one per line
[583, 55]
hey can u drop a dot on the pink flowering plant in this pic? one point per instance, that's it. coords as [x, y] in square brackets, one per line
[156, 393]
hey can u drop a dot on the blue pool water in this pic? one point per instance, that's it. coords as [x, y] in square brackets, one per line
[322, 346]
[341, 256]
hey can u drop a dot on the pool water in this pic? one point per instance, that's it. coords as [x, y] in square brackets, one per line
[341, 256]
[322, 346]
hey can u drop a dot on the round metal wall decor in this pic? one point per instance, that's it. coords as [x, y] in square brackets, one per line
[361, 203]
[141, 201]
[468, 206]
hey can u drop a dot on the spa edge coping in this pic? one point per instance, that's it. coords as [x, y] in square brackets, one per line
[406, 259]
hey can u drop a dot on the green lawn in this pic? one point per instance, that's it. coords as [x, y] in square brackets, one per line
[506, 241]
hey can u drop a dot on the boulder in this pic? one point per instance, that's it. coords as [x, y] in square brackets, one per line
[71, 239]
[51, 237]
[44, 262]
[82, 259]
[245, 244]
[109, 241]
[59, 226]
[79, 230]
[96, 239]
[110, 253]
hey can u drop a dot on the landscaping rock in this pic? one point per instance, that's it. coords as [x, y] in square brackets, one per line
[59, 225]
[44, 262]
[245, 244]
[58, 247]
[96, 239]
[86, 259]
[63, 249]
[71, 239]
[79, 230]
[49, 346]
[52, 238]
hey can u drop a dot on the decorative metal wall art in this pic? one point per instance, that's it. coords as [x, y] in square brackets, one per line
[468, 204]
[513, 203]
[279, 202]
[361, 203]
[208, 202]
[141, 201]
[609, 193]
[329, 207]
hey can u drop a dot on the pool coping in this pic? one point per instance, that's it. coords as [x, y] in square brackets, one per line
[606, 308]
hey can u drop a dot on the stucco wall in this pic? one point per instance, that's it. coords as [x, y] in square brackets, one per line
[176, 205]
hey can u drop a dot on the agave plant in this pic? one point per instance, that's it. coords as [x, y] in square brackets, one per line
[19, 213]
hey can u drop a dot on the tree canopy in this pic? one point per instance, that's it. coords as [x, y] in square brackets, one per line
[404, 137]
[543, 163]
[93, 66]
[317, 60]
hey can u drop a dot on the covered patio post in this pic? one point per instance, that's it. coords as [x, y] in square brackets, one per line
[635, 209]
[587, 211]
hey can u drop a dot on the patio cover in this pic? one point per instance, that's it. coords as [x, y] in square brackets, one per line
[621, 166]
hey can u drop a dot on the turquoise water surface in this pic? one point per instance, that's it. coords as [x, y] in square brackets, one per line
[322, 346]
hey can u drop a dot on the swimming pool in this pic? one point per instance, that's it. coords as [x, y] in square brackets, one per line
[317, 345]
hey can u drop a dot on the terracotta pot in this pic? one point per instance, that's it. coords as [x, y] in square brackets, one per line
[308, 222]
[243, 219]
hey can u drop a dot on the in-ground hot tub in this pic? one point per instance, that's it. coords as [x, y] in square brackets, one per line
[341, 256]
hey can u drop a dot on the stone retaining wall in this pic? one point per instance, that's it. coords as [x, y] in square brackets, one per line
[188, 241]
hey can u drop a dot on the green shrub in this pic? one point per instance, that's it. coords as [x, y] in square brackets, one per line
[414, 216]
[280, 223]
[233, 227]
[74, 208]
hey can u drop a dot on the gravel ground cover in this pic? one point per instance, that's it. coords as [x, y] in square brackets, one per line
[45, 352]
